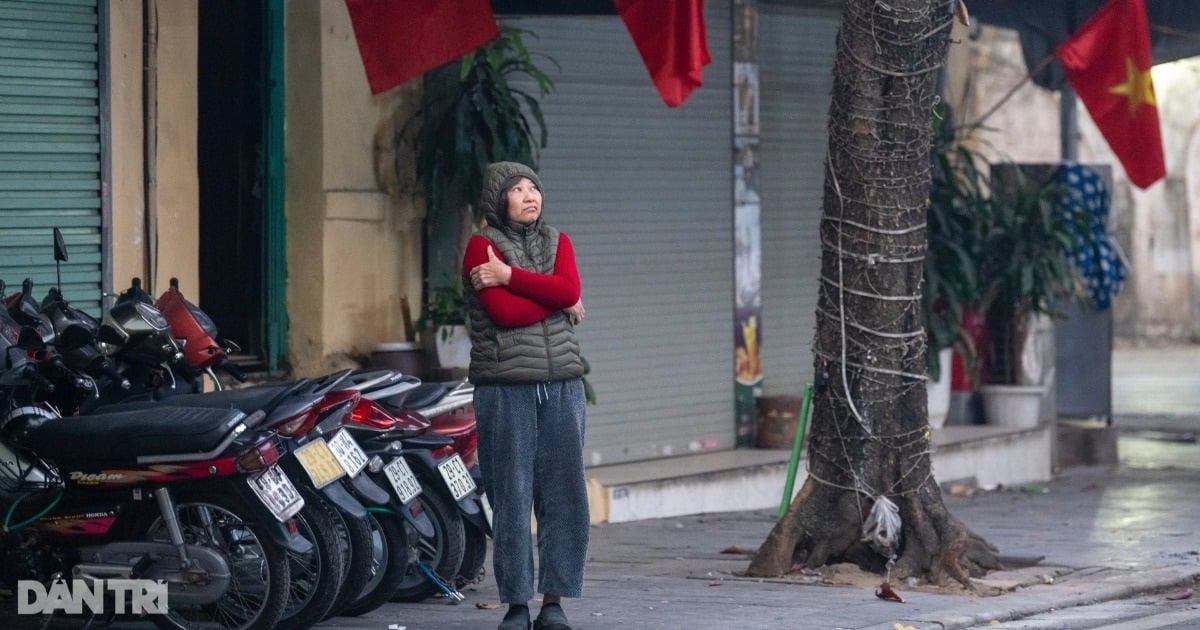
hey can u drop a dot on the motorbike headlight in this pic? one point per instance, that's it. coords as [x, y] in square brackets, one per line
[153, 316]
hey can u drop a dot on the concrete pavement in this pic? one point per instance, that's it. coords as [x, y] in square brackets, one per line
[1097, 533]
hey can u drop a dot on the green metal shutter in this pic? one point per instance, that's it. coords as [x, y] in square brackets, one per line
[796, 50]
[646, 194]
[50, 139]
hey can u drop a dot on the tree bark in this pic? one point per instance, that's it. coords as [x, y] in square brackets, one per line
[870, 440]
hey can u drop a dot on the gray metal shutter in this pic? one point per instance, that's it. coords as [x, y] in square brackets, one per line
[796, 49]
[645, 193]
[50, 146]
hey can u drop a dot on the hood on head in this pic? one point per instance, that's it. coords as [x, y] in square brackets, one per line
[497, 177]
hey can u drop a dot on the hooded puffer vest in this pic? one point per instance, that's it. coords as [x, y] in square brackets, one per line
[541, 352]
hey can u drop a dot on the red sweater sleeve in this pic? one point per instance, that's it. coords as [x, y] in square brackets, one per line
[538, 296]
[557, 291]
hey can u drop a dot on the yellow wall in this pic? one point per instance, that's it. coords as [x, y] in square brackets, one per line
[170, 247]
[128, 198]
[353, 244]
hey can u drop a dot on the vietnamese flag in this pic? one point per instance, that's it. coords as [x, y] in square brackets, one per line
[1108, 63]
[669, 35]
[401, 39]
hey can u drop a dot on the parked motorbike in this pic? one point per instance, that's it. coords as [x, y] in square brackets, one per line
[457, 550]
[189, 497]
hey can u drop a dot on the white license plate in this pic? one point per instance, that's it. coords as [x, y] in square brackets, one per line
[320, 462]
[348, 453]
[454, 471]
[404, 482]
[276, 491]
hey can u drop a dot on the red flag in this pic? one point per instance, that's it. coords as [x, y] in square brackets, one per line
[1108, 63]
[669, 34]
[399, 40]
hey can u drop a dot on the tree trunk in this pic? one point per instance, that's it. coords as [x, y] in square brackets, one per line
[869, 442]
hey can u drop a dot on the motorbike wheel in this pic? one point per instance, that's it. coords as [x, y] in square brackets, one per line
[442, 552]
[474, 555]
[317, 575]
[259, 574]
[391, 543]
[355, 539]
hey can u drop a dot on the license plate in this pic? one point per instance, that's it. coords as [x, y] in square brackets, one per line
[348, 453]
[404, 482]
[276, 491]
[457, 477]
[320, 463]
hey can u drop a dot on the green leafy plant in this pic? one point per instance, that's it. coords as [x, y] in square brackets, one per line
[999, 243]
[471, 114]
[958, 201]
[445, 307]
[1028, 264]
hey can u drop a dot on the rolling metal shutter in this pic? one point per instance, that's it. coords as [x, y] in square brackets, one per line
[50, 171]
[796, 50]
[645, 193]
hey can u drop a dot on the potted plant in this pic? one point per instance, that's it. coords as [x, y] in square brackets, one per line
[955, 242]
[1025, 272]
[443, 326]
[1000, 250]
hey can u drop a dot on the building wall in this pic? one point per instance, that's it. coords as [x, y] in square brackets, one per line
[353, 240]
[170, 247]
[128, 193]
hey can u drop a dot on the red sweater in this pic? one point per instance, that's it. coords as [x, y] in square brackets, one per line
[529, 297]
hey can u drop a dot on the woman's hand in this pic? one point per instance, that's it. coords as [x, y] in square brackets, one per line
[575, 312]
[493, 273]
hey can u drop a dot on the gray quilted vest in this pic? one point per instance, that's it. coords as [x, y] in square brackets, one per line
[541, 352]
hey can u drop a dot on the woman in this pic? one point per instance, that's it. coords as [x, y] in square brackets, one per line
[524, 300]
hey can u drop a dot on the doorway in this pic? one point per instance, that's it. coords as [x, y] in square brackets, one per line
[231, 111]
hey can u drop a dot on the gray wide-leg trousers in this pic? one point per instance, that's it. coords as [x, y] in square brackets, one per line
[531, 458]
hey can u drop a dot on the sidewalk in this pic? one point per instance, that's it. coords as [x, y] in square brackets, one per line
[1100, 534]
[1103, 535]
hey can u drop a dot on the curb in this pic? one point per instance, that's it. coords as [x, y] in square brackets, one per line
[1099, 586]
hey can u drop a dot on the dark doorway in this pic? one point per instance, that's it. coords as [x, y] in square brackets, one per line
[231, 67]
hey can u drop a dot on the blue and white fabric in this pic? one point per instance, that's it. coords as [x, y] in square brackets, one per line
[1099, 262]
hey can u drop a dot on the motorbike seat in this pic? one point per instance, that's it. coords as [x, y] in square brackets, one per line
[123, 437]
[419, 397]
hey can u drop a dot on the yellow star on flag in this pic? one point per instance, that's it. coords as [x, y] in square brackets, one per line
[1138, 87]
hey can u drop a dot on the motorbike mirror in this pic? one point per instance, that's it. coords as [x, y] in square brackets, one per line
[60, 246]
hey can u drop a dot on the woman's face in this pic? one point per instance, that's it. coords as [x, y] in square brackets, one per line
[524, 202]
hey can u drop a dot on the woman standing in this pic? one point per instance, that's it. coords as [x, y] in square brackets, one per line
[524, 300]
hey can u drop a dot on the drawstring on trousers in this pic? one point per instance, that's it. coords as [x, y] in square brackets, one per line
[543, 392]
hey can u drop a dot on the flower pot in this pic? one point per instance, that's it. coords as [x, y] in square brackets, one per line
[402, 356]
[938, 392]
[453, 346]
[1012, 405]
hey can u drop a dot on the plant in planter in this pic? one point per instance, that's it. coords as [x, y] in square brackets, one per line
[955, 237]
[957, 201]
[1025, 272]
[442, 325]
[1000, 252]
